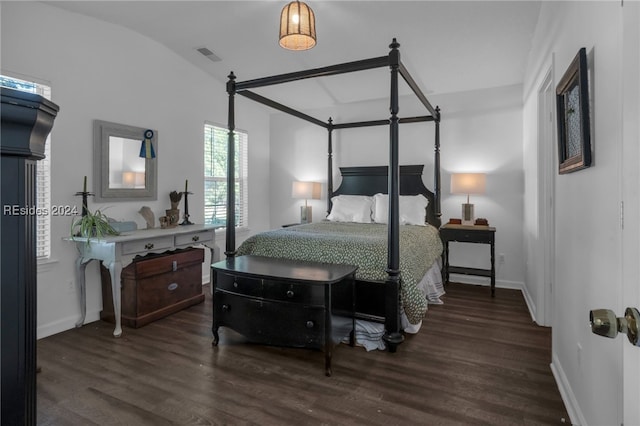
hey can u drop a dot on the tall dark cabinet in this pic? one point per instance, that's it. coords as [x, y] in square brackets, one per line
[27, 119]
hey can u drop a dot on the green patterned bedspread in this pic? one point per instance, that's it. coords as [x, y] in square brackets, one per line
[361, 244]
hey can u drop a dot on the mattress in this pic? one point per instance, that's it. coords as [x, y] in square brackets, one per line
[360, 244]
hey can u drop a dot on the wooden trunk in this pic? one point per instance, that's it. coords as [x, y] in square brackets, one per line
[155, 286]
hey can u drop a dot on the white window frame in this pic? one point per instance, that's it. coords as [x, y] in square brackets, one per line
[43, 173]
[241, 179]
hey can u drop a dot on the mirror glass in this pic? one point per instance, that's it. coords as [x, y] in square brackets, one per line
[126, 167]
[119, 171]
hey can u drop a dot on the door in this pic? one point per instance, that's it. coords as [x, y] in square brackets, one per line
[546, 171]
[631, 207]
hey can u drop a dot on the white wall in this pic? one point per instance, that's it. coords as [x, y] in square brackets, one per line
[101, 71]
[480, 131]
[588, 235]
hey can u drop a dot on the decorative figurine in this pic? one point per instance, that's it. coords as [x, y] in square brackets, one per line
[186, 204]
[173, 214]
[148, 216]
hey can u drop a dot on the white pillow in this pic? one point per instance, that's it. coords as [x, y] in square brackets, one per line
[412, 209]
[351, 208]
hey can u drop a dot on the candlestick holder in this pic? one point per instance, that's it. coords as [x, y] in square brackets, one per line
[85, 195]
[186, 209]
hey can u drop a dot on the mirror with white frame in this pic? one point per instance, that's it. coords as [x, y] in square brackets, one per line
[120, 174]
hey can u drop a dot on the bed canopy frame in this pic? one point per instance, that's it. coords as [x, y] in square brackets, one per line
[392, 60]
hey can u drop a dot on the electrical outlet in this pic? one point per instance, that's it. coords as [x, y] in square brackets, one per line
[501, 258]
[71, 286]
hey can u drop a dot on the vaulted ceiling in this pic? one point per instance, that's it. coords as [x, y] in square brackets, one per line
[448, 46]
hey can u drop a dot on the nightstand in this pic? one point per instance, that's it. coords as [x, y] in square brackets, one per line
[469, 234]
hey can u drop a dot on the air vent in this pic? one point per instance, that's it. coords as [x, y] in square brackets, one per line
[208, 54]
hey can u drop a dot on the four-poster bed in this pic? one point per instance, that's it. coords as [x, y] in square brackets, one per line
[382, 303]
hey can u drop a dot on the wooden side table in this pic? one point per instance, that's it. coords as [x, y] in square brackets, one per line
[115, 252]
[469, 234]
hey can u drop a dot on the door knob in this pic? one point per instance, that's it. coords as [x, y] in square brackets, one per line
[605, 323]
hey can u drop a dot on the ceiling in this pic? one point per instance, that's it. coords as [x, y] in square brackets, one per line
[448, 46]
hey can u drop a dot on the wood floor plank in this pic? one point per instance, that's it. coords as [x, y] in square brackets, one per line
[477, 360]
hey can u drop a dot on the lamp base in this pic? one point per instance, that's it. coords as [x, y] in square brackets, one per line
[467, 214]
[305, 214]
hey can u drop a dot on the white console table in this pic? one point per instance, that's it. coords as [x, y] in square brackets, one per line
[118, 251]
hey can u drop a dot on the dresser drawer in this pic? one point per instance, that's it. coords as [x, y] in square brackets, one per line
[240, 285]
[147, 246]
[200, 237]
[272, 323]
[291, 292]
[472, 236]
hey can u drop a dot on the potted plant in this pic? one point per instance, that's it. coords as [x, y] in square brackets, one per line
[92, 225]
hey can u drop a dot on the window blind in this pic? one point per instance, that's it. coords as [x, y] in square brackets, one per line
[43, 170]
[215, 176]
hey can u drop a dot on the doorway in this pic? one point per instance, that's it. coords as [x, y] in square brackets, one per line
[546, 195]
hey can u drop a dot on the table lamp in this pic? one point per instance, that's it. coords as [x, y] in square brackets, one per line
[468, 183]
[306, 190]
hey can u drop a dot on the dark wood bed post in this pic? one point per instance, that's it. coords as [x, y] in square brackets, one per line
[393, 337]
[436, 172]
[329, 164]
[231, 192]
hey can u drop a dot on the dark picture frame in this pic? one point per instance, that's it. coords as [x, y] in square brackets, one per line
[574, 126]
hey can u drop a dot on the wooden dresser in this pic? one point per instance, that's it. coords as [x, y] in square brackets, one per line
[278, 301]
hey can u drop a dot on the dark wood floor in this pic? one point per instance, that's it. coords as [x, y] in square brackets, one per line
[477, 360]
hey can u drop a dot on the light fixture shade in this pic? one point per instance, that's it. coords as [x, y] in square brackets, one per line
[297, 26]
[306, 190]
[133, 179]
[468, 183]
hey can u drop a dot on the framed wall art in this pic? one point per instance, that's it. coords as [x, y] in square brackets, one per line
[574, 128]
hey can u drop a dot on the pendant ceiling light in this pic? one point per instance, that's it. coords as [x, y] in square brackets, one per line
[297, 26]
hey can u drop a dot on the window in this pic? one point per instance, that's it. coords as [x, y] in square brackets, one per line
[43, 170]
[215, 176]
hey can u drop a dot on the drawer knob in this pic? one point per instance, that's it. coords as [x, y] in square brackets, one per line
[172, 286]
[195, 238]
[148, 246]
[235, 284]
[290, 293]
[309, 324]
[226, 308]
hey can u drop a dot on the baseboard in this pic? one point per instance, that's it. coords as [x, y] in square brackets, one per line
[530, 305]
[513, 285]
[65, 324]
[566, 393]
[468, 279]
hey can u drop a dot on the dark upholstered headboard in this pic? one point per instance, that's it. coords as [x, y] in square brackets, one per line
[373, 180]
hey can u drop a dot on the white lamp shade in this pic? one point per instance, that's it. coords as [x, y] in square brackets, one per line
[468, 183]
[306, 190]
